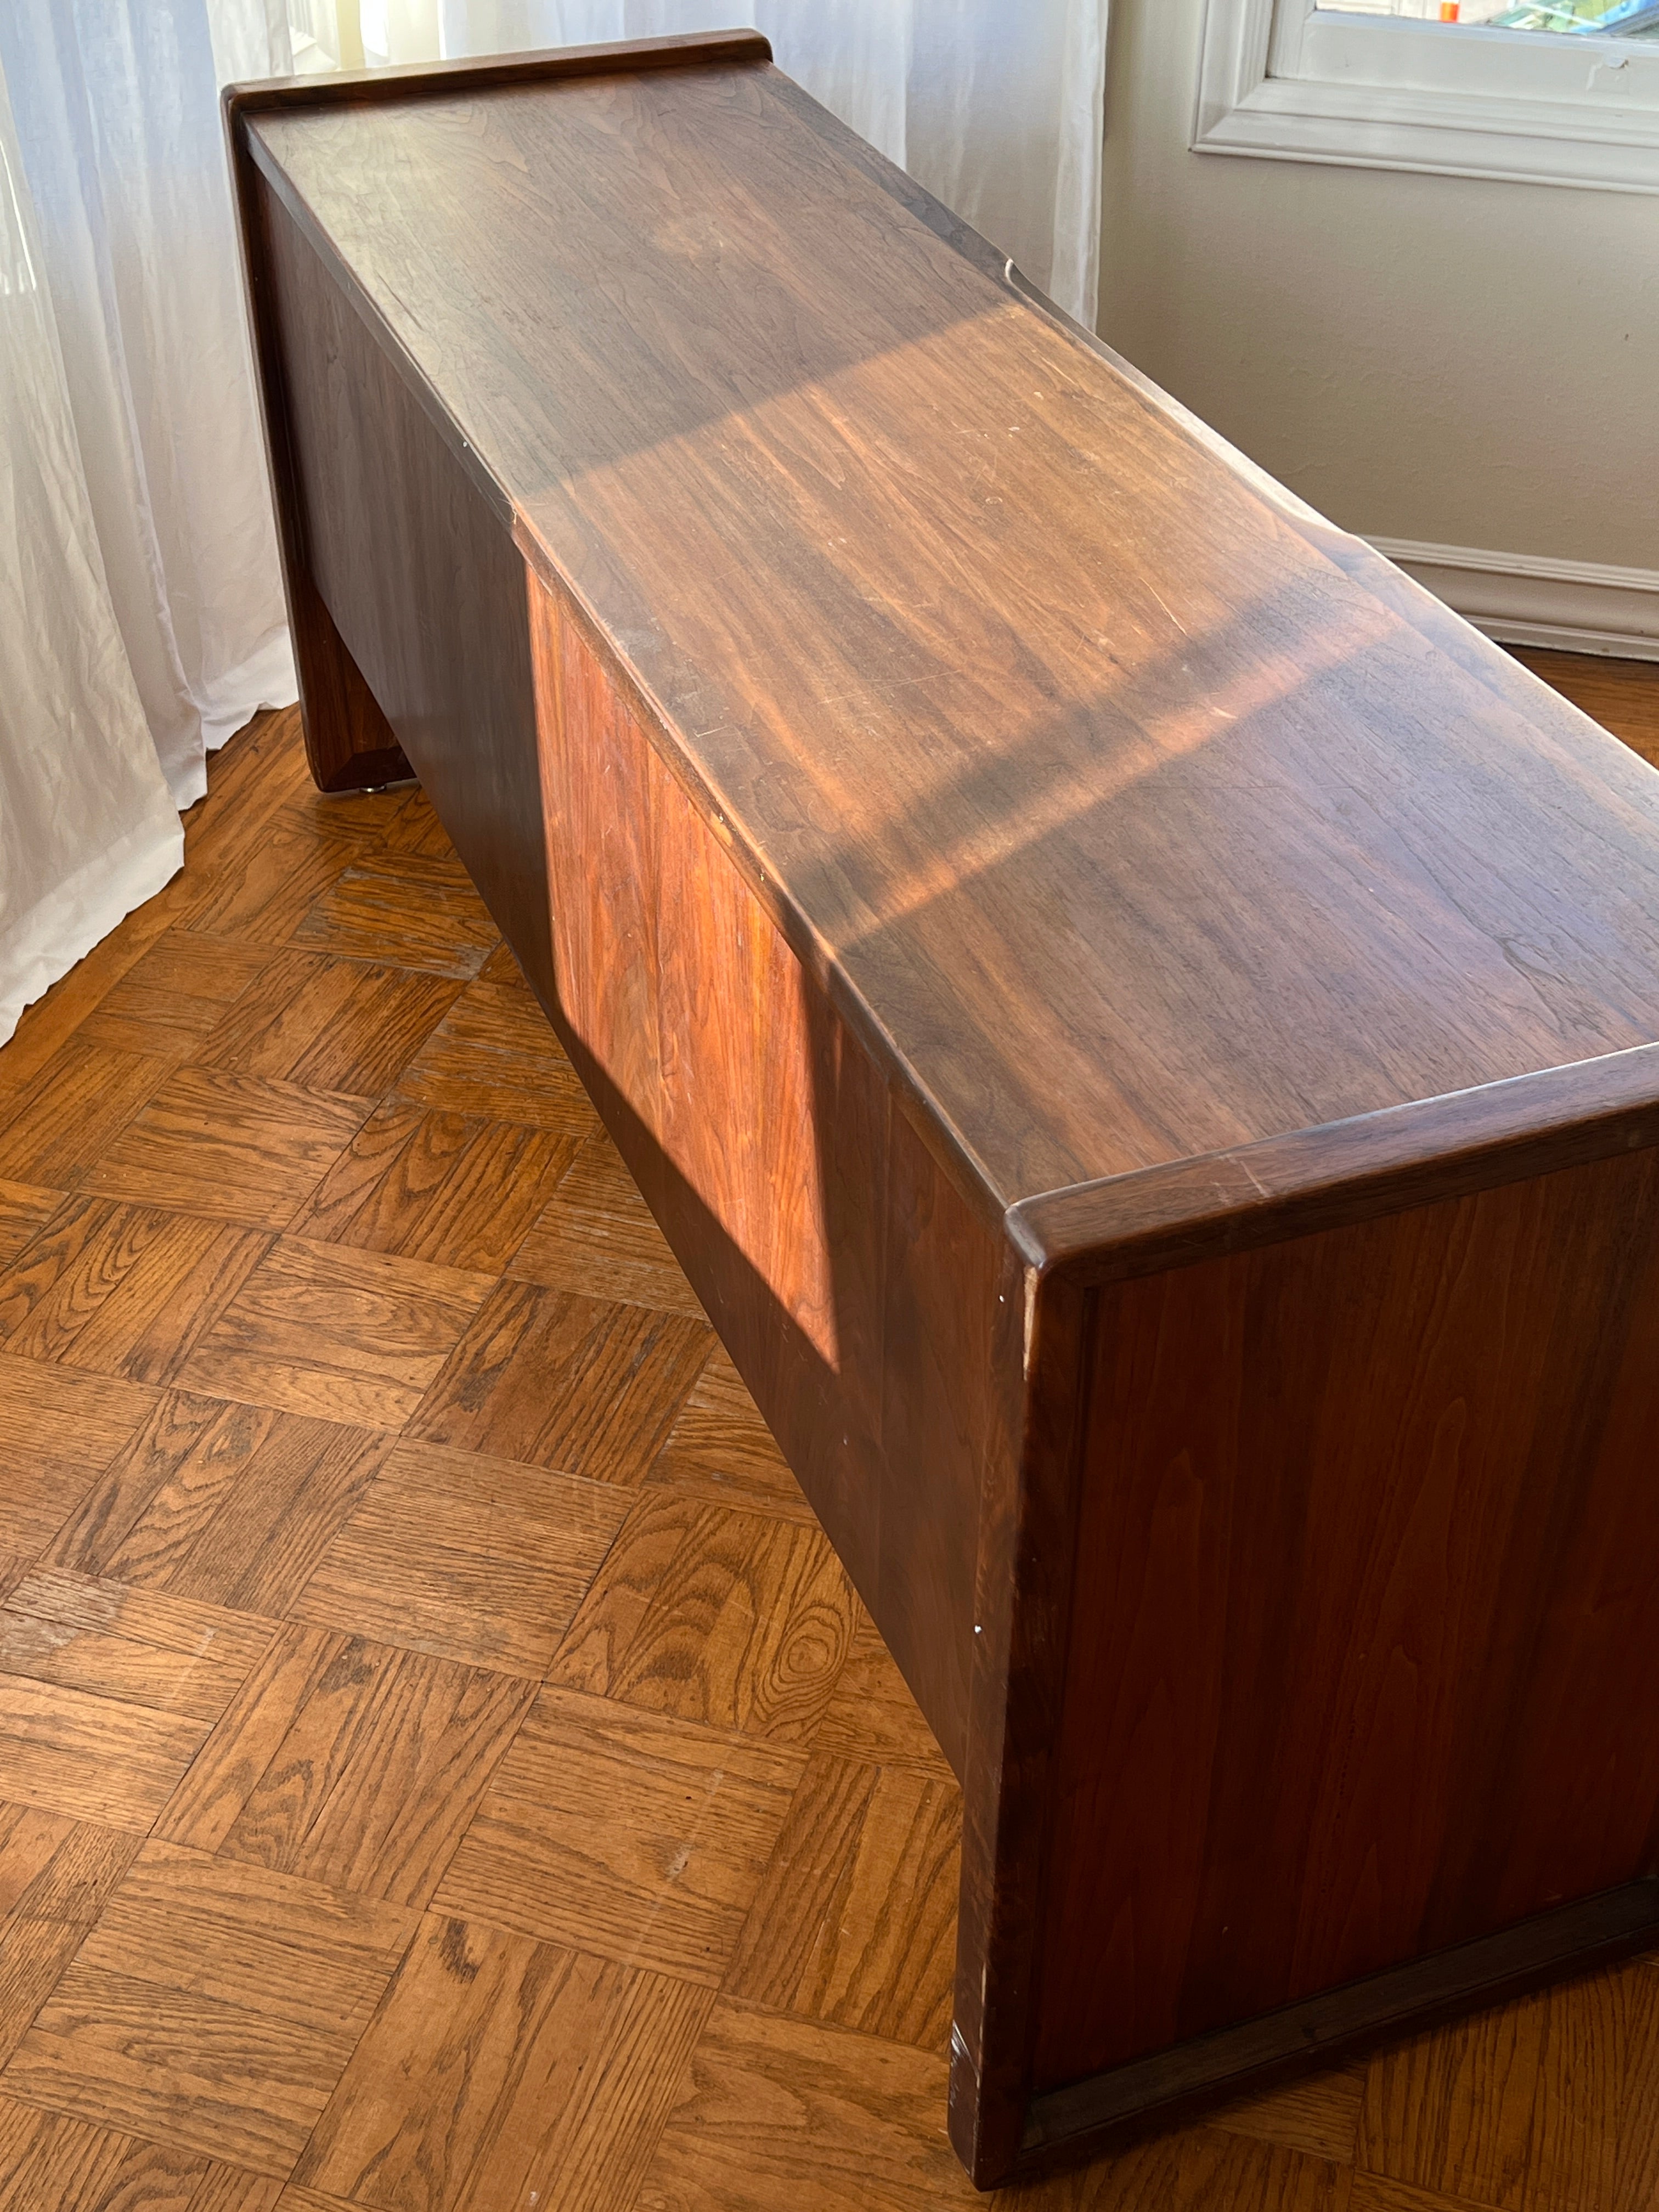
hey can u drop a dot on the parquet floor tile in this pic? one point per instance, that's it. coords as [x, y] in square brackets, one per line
[56, 1876]
[335, 1331]
[63, 1121]
[351, 1763]
[596, 1236]
[230, 1504]
[91, 1756]
[564, 1382]
[1319, 2115]
[494, 1054]
[419, 913]
[779, 2114]
[414, 828]
[723, 1619]
[871, 1716]
[52, 1021]
[171, 1653]
[721, 1449]
[79, 1419]
[240, 1147]
[37, 1496]
[627, 1834]
[25, 1209]
[213, 2007]
[50, 2163]
[454, 1187]
[503, 2072]
[856, 1919]
[262, 894]
[482, 1560]
[169, 1000]
[443, 1767]
[1549, 2100]
[345, 1026]
[123, 1289]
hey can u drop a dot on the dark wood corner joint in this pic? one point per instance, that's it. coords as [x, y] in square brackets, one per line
[1142, 1030]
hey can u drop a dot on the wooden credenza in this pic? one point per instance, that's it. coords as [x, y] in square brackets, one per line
[1139, 1027]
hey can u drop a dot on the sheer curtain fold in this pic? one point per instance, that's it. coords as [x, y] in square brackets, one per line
[141, 601]
[116, 105]
[998, 108]
[88, 826]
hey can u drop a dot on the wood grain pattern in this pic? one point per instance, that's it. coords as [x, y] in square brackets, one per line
[234, 1145]
[172, 1654]
[872, 1716]
[346, 1026]
[1549, 2101]
[56, 1876]
[24, 1207]
[1180, 691]
[1419, 1540]
[84, 1096]
[586, 1387]
[92, 1756]
[123, 1289]
[503, 1556]
[628, 1834]
[55, 2164]
[56, 1412]
[37, 1494]
[263, 895]
[721, 1449]
[723, 1619]
[423, 916]
[856, 1920]
[174, 995]
[349, 1764]
[228, 1505]
[331, 1330]
[437, 628]
[1320, 2115]
[564, 2110]
[214, 2004]
[596, 1235]
[826, 1243]
[451, 1187]
[780, 2111]
[493, 1054]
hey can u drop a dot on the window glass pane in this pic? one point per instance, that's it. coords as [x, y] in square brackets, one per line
[1617, 19]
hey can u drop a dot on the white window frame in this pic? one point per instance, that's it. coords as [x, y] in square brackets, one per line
[1284, 79]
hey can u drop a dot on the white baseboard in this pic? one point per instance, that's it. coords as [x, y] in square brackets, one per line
[1522, 599]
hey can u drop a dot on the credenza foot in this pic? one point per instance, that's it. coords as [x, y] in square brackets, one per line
[349, 744]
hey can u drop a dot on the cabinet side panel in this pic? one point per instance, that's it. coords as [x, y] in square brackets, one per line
[1365, 1641]
[848, 1277]
[423, 582]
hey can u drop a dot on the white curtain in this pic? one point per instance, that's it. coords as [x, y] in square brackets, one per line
[996, 106]
[142, 606]
[88, 828]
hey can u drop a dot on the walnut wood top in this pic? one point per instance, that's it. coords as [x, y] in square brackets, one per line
[1131, 824]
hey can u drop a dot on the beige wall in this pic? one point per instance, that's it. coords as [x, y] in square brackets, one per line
[1455, 360]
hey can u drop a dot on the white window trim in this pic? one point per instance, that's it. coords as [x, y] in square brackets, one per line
[1276, 82]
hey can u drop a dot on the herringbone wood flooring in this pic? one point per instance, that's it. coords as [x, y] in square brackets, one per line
[444, 1767]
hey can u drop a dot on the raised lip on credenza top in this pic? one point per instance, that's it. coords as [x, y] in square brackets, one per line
[477, 73]
[1425, 1152]
[1179, 1212]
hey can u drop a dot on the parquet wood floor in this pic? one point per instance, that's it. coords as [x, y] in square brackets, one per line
[443, 1767]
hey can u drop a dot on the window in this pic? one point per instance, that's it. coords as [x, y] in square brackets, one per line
[1551, 91]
